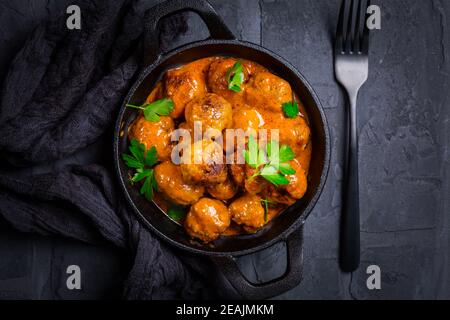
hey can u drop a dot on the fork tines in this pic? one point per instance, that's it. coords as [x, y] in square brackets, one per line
[352, 35]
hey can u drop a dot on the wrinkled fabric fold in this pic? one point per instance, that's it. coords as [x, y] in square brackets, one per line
[61, 95]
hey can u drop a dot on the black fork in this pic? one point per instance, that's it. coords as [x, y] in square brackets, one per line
[351, 67]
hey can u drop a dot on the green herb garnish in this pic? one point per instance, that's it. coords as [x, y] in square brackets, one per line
[142, 161]
[265, 202]
[153, 111]
[176, 212]
[290, 109]
[273, 162]
[235, 77]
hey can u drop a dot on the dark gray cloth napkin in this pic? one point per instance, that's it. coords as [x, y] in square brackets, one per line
[62, 94]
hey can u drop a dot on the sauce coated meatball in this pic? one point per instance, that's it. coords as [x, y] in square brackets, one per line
[266, 90]
[254, 185]
[223, 191]
[248, 212]
[172, 186]
[237, 170]
[247, 119]
[185, 83]
[217, 77]
[154, 134]
[207, 219]
[293, 132]
[292, 192]
[203, 162]
[297, 182]
[213, 111]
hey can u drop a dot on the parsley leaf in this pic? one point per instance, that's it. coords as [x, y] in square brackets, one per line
[131, 161]
[290, 109]
[153, 111]
[271, 174]
[176, 212]
[235, 77]
[286, 154]
[142, 160]
[151, 157]
[147, 187]
[140, 176]
[251, 155]
[286, 168]
[265, 202]
[275, 161]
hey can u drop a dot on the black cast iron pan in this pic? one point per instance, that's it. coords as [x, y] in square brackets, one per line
[284, 228]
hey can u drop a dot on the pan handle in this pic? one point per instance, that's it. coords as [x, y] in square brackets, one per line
[217, 28]
[257, 291]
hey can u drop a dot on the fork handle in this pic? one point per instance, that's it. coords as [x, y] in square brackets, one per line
[350, 242]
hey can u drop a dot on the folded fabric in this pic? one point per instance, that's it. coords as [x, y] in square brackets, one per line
[62, 94]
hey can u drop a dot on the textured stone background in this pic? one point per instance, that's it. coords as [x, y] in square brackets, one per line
[404, 122]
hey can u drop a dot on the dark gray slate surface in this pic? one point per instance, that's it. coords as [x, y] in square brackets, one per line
[404, 121]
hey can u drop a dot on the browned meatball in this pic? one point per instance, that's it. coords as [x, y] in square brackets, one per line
[266, 90]
[207, 219]
[223, 191]
[277, 195]
[247, 119]
[154, 134]
[213, 111]
[204, 163]
[172, 186]
[293, 132]
[185, 83]
[297, 182]
[217, 76]
[237, 172]
[254, 185]
[248, 212]
[292, 192]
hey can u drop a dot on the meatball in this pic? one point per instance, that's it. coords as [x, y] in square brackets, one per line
[246, 119]
[154, 134]
[223, 191]
[248, 212]
[292, 192]
[213, 111]
[184, 84]
[207, 219]
[238, 173]
[293, 132]
[266, 90]
[172, 186]
[297, 182]
[277, 195]
[237, 170]
[204, 163]
[217, 76]
[254, 185]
